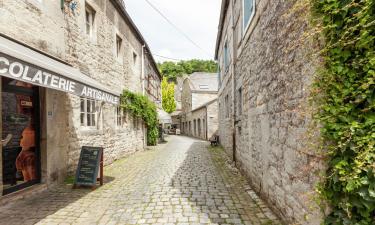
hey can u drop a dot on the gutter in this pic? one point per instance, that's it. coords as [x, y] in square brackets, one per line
[224, 8]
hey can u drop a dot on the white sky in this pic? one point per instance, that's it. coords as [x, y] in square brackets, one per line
[197, 18]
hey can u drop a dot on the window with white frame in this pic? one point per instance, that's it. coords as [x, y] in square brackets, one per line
[90, 19]
[248, 13]
[88, 112]
[118, 46]
[226, 56]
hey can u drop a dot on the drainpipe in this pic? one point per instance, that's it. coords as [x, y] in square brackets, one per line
[143, 90]
[206, 123]
[62, 4]
[143, 70]
[233, 84]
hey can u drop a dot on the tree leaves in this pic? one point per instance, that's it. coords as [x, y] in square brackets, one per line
[173, 70]
[168, 101]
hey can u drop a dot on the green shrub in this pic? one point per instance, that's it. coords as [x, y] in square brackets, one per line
[141, 107]
[344, 92]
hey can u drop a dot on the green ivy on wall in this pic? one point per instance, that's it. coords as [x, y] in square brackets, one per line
[140, 106]
[344, 91]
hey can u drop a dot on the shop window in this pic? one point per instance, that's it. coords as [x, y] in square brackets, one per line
[248, 13]
[88, 112]
[90, 20]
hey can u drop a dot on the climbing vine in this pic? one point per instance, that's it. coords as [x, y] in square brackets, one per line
[344, 94]
[140, 106]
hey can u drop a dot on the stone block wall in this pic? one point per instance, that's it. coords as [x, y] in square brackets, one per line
[212, 119]
[226, 83]
[275, 74]
[200, 98]
[62, 34]
[98, 58]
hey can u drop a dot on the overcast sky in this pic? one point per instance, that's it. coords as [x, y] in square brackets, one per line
[197, 18]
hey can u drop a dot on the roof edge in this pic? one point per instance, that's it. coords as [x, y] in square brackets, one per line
[224, 8]
[119, 6]
[205, 105]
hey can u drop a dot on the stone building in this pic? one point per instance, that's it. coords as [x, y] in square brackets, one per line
[63, 66]
[199, 105]
[264, 83]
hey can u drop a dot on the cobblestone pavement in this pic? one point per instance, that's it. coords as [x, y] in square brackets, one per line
[181, 182]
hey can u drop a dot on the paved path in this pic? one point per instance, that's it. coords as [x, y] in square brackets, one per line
[182, 182]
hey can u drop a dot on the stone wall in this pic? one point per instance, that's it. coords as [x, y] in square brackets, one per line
[99, 60]
[212, 119]
[226, 84]
[275, 75]
[208, 120]
[62, 34]
[186, 97]
[153, 82]
[200, 98]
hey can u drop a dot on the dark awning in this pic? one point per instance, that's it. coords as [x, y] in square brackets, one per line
[24, 64]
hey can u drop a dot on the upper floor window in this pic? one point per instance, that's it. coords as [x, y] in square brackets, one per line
[90, 19]
[248, 13]
[118, 46]
[88, 112]
[226, 56]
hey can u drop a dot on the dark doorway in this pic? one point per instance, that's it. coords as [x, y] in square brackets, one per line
[20, 135]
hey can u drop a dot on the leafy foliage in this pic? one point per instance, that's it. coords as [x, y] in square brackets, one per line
[140, 106]
[167, 90]
[344, 92]
[173, 70]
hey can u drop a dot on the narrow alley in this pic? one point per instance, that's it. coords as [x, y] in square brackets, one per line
[184, 181]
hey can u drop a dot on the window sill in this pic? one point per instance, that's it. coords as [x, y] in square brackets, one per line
[90, 131]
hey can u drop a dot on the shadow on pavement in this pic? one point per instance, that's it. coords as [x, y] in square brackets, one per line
[33, 209]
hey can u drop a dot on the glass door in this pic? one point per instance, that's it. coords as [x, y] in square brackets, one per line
[20, 135]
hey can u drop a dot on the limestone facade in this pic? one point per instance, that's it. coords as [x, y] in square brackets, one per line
[113, 53]
[264, 83]
[199, 105]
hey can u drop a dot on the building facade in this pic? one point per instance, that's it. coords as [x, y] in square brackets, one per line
[264, 83]
[199, 105]
[63, 66]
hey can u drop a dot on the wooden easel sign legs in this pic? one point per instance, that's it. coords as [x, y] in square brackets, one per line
[91, 161]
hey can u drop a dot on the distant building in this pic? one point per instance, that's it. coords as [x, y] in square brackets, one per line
[198, 117]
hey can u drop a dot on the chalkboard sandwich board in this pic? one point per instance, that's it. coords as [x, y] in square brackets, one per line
[90, 161]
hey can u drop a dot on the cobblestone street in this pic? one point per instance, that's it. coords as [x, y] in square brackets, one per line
[181, 182]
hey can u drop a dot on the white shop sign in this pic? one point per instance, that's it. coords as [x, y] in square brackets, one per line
[19, 70]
